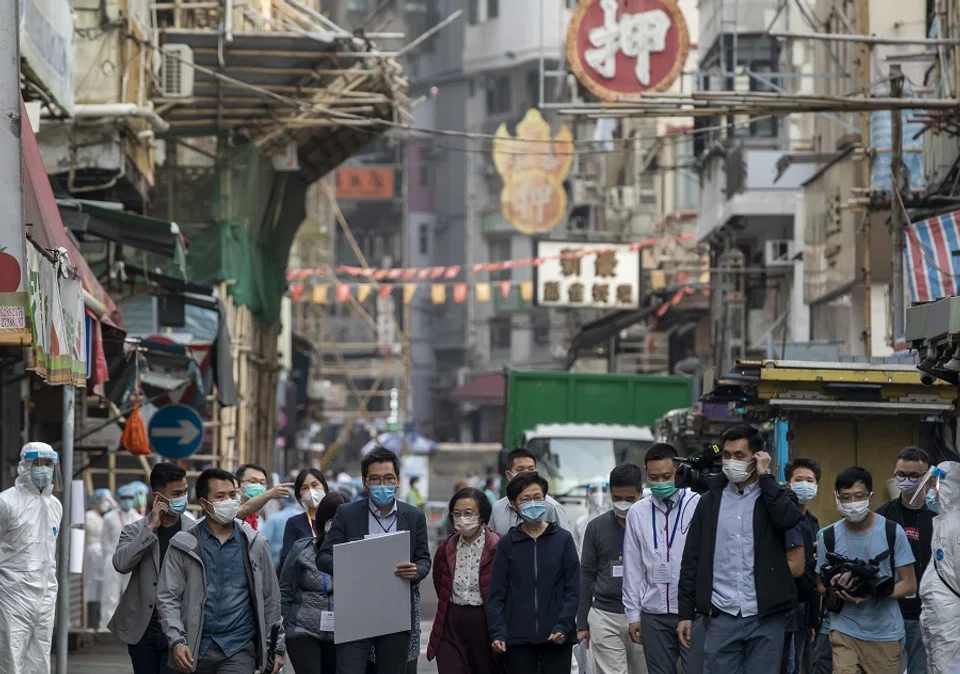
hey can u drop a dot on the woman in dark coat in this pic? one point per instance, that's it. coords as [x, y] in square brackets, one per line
[306, 595]
[461, 575]
[310, 487]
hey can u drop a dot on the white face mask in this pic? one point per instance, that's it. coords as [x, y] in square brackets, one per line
[225, 512]
[737, 471]
[466, 526]
[805, 491]
[621, 508]
[313, 497]
[854, 512]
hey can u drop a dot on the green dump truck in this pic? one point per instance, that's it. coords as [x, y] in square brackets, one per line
[582, 425]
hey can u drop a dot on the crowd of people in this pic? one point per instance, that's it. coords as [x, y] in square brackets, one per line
[738, 578]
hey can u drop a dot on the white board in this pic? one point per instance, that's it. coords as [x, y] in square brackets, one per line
[369, 600]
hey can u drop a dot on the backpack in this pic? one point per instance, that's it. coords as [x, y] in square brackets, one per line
[830, 540]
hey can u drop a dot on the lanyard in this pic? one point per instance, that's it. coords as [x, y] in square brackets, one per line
[323, 577]
[312, 523]
[386, 529]
[653, 516]
[620, 538]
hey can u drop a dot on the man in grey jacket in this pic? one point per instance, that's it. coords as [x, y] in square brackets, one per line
[143, 546]
[218, 597]
[504, 518]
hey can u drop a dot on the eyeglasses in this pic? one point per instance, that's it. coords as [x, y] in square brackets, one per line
[913, 477]
[850, 498]
[252, 480]
[386, 481]
[528, 499]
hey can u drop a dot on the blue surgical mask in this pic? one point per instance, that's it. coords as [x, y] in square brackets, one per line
[382, 494]
[126, 505]
[42, 476]
[177, 506]
[533, 511]
[932, 504]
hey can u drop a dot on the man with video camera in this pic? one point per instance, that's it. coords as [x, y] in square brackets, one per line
[856, 558]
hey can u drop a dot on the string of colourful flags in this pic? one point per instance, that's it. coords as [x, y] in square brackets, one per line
[451, 272]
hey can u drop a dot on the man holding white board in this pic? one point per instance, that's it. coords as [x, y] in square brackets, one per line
[378, 515]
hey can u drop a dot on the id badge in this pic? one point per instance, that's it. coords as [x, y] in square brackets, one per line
[661, 574]
[326, 621]
[618, 570]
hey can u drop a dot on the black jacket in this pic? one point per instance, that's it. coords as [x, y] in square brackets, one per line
[773, 515]
[918, 527]
[534, 588]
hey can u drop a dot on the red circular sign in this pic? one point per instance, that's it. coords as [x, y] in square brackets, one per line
[621, 48]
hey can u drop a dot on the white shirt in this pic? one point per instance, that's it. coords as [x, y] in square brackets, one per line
[647, 560]
[466, 577]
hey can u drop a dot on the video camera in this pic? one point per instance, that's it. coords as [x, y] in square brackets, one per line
[865, 578]
[701, 472]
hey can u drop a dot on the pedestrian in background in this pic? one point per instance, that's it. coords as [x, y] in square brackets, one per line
[254, 494]
[414, 497]
[734, 566]
[379, 514]
[30, 520]
[307, 600]
[102, 503]
[911, 512]
[534, 589]
[309, 488]
[140, 554]
[114, 582]
[275, 526]
[803, 475]
[656, 537]
[505, 517]
[218, 597]
[601, 624]
[461, 576]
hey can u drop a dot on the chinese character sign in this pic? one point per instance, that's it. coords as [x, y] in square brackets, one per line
[619, 50]
[578, 275]
[365, 183]
[533, 166]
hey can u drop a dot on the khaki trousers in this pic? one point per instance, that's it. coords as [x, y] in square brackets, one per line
[853, 656]
[611, 649]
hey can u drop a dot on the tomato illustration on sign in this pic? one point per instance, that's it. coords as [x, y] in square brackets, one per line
[10, 273]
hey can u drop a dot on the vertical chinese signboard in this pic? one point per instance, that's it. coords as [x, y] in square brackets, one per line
[618, 50]
[533, 166]
[578, 275]
[14, 327]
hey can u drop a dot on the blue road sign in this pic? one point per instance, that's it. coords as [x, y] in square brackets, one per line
[175, 431]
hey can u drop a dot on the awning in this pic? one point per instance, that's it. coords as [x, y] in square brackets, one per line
[40, 210]
[487, 389]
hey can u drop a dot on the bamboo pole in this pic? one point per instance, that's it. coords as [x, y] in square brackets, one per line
[864, 53]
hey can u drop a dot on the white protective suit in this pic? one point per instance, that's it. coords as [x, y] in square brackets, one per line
[93, 543]
[598, 502]
[29, 524]
[940, 619]
[114, 583]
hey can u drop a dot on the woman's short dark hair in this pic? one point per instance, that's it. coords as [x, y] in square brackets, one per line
[483, 503]
[326, 510]
[302, 477]
[521, 482]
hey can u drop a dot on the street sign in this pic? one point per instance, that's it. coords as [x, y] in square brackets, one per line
[175, 431]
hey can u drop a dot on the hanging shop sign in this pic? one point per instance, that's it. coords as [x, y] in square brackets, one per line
[46, 48]
[619, 50]
[607, 279]
[59, 350]
[533, 166]
[365, 183]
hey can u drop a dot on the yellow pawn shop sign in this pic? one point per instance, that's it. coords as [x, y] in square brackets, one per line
[533, 166]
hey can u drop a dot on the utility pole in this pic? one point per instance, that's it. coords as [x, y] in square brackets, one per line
[862, 9]
[897, 209]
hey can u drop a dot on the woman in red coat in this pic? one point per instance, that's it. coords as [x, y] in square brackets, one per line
[461, 574]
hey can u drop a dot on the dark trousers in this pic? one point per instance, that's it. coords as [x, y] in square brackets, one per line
[752, 645]
[150, 654]
[391, 651]
[543, 658]
[465, 643]
[215, 661]
[822, 655]
[306, 653]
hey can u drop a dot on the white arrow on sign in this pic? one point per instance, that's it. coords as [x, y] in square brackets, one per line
[186, 433]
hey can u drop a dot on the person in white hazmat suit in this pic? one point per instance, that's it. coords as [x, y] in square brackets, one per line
[940, 616]
[93, 554]
[29, 523]
[115, 583]
[598, 502]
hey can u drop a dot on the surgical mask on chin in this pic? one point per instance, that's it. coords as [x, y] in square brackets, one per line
[314, 496]
[932, 504]
[225, 512]
[907, 486]
[737, 471]
[663, 490]
[532, 511]
[254, 490]
[177, 506]
[854, 512]
[466, 526]
[805, 491]
[382, 494]
[42, 476]
[621, 508]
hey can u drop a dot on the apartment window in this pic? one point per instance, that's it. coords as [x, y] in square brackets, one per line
[423, 238]
[493, 9]
[541, 327]
[500, 252]
[424, 167]
[533, 87]
[473, 11]
[500, 333]
[498, 95]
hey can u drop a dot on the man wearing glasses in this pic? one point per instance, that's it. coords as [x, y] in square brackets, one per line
[378, 514]
[910, 511]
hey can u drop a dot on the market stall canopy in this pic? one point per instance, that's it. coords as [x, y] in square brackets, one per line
[487, 389]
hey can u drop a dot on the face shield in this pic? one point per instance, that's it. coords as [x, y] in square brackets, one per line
[40, 467]
[948, 486]
[127, 498]
[598, 497]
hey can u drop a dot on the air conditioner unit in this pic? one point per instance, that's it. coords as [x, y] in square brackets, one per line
[176, 71]
[778, 253]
